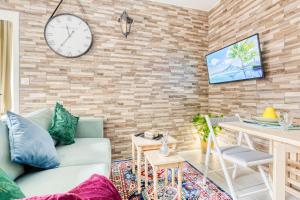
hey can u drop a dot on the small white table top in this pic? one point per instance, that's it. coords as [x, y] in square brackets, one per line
[144, 142]
[291, 137]
[155, 158]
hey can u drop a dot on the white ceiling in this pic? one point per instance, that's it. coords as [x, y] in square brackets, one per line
[204, 5]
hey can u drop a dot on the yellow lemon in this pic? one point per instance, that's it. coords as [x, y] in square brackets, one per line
[270, 113]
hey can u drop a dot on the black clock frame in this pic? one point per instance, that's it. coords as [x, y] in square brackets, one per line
[52, 18]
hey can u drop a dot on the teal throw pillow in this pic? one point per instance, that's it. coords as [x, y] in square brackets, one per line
[8, 188]
[64, 124]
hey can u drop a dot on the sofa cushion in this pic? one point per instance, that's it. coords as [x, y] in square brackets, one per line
[41, 117]
[13, 170]
[85, 151]
[59, 180]
[90, 128]
[63, 126]
[30, 144]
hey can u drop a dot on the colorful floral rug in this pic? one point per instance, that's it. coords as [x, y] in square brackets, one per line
[192, 185]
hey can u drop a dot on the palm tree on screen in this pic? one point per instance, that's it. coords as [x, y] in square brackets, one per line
[245, 52]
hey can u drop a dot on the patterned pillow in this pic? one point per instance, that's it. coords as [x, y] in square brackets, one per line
[63, 125]
[8, 188]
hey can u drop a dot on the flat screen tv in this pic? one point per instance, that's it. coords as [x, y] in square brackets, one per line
[238, 61]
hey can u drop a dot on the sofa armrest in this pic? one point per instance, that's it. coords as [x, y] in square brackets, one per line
[89, 128]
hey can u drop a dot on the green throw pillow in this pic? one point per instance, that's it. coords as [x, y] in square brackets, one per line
[63, 126]
[8, 188]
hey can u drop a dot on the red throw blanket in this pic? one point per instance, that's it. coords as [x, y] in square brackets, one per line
[97, 187]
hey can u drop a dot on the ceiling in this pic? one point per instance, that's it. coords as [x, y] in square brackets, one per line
[204, 5]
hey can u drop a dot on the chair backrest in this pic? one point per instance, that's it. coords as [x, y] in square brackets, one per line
[216, 120]
[213, 121]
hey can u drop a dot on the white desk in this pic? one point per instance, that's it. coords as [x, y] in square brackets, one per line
[280, 139]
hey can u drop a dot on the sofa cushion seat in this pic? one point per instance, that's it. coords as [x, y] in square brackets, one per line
[59, 180]
[85, 151]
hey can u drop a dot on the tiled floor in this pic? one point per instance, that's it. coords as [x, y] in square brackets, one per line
[247, 179]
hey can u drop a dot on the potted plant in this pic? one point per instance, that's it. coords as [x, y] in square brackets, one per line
[202, 130]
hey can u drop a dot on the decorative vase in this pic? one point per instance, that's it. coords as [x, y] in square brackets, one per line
[164, 149]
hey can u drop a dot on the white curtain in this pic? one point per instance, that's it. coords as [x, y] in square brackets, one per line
[5, 65]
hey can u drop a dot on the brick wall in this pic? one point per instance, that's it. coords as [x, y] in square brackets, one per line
[155, 79]
[278, 24]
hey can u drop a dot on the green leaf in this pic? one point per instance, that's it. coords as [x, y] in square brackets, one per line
[201, 126]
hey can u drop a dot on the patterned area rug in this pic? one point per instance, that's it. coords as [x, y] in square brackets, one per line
[192, 186]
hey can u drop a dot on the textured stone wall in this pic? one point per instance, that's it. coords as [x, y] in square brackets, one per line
[155, 79]
[278, 25]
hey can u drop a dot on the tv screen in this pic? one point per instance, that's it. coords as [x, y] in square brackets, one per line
[238, 61]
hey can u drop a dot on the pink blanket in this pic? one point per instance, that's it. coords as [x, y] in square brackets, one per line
[97, 187]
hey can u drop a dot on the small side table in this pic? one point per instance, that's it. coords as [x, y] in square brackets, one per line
[158, 161]
[142, 145]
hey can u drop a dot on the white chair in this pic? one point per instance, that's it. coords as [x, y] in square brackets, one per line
[237, 154]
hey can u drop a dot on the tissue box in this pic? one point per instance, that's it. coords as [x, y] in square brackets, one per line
[150, 135]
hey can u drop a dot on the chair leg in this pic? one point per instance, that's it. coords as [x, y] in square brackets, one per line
[217, 148]
[227, 177]
[265, 179]
[207, 159]
[234, 171]
[239, 142]
[261, 171]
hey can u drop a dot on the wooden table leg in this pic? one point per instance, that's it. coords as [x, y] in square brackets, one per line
[155, 183]
[133, 157]
[179, 182]
[139, 157]
[173, 177]
[146, 173]
[166, 176]
[271, 164]
[279, 170]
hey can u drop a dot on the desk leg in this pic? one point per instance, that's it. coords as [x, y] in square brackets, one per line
[155, 183]
[179, 182]
[146, 173]
[133, 157]
[279, 170]
[166, 176]
[173, 177]
[139, 155]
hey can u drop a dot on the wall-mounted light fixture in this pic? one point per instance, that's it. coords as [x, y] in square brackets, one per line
[125, 23]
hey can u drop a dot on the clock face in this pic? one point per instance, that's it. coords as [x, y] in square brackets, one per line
[68, 35]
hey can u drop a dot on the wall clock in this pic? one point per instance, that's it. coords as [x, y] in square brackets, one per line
[68, 35]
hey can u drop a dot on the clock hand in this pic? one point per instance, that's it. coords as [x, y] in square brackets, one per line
[68, 30]
[63, 43]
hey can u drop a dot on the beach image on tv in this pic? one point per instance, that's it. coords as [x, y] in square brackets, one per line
[236, 62]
